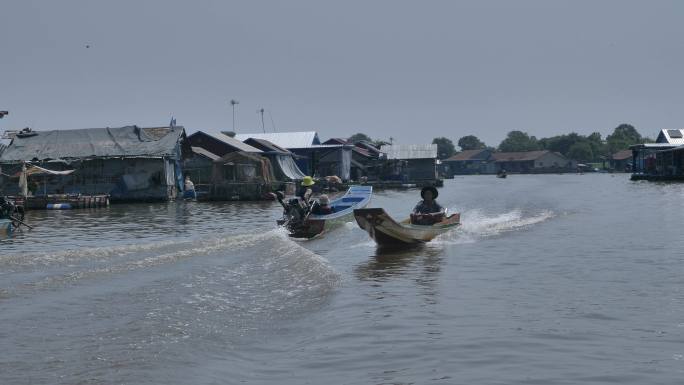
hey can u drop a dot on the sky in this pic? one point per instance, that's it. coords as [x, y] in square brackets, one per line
[409, 70]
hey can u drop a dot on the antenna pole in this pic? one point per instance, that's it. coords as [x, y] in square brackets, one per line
[233, 102]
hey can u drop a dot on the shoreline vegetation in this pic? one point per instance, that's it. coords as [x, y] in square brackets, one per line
[592, 148]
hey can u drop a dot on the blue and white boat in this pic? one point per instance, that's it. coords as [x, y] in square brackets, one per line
[356, 197]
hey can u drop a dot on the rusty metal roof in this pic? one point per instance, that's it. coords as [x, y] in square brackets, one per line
[622, 155]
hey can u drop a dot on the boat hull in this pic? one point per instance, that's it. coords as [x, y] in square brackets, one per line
[389, 233]
[356, 197]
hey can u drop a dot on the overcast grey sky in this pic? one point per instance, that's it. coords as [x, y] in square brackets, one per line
[412, 70]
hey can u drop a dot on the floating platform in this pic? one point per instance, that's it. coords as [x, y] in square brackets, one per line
[658, 178]
[61, 201]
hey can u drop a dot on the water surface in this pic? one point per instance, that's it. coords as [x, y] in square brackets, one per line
[552, 279]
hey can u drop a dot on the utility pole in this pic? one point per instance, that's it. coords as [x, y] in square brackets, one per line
[263, 127]
[233, 102]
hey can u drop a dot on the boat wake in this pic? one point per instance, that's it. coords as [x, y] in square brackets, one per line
[278, 264]
[477, 225]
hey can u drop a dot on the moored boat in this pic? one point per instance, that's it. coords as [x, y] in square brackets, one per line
[389, 233]
[311, 225]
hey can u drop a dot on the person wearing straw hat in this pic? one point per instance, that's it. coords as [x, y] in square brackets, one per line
[305, 189]
[428, 211]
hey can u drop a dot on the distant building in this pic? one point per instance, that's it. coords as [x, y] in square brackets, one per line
[241, 175]
[219, 143]
[288, 140]
[129, 163]
[470, 162]
[621, 161]
[312, 157]
[662, 160]
[283, 161]
[411, 163]
[199, 167]
[543, 161]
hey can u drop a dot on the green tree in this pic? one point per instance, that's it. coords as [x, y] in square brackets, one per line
[359, 137]
[559, 143]
[519, 141]
[622, 137]
[581, 151]
[445, 147]
[470, 142]
[598, 146]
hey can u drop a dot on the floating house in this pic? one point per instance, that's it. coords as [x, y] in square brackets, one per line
[199, 167]
[469, 162]
[366, 159]
[411, 163]
[220, 143]
[282, 160]
[128, 163]
[662, 160]
[532, 162]
[242, 176]
[621, 161]
[239, 170]
[206, 149]
[312, 157]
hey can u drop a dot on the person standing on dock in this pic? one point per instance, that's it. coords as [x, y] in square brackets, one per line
[189, 189]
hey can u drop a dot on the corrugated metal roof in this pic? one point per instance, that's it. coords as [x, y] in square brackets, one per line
[129, 141]
[410, 151]
[302, 139]
[336, 141]
[519, 156]
[653, 145]
[237, 143]
[208, 154]
[465, 155]
[671, 136]
[265, 145]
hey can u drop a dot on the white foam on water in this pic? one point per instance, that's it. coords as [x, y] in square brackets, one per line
[167, 249]
[262, 254]
[477, 225]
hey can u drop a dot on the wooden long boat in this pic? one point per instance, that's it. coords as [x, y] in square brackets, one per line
[389, 233]
[356, 197]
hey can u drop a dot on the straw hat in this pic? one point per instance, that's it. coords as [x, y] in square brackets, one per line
[308, 181]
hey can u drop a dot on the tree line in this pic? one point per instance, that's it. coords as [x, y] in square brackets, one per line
[583, 148]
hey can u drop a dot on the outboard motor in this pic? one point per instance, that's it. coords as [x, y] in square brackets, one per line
[294, 212]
